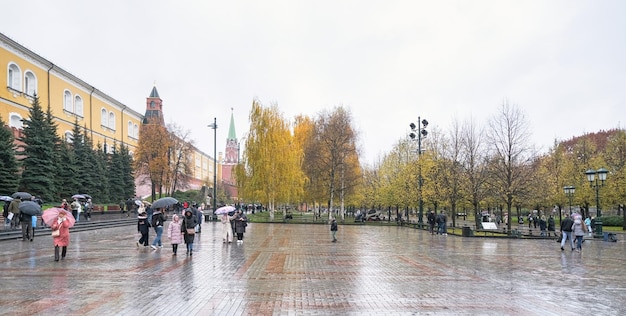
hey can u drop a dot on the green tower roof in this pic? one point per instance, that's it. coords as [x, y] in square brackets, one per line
[231, 130]
[154, 93]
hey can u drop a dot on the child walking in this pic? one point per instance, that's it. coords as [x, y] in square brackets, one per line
[143, 226]
[174, 233]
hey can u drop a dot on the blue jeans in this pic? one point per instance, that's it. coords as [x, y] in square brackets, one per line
[579, 242]
[157, 240]
[567, 235]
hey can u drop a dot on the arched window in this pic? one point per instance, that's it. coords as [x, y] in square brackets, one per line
[136, 130]
[78, 105]
[15, 120]
[67, 101]
[69, 137]
[104, 119]
[14, 78]
[130, 128]
[152, 104]
[30, 83]
[111, 120]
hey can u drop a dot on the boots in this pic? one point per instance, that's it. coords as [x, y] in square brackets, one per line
[63, 252]
[56, 253]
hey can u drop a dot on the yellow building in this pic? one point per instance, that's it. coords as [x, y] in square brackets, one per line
[71, 99]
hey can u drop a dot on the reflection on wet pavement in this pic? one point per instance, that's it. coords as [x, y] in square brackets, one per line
[294, 269]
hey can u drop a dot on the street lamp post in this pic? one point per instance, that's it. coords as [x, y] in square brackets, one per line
[593, 182]
[569, 191]
[420, 132]
[214, 127]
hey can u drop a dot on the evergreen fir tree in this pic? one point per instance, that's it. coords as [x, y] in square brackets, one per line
[128, 172]
[9, 167]
[69, 183]
[39, 157]
[101, 176]
[88, 171]
[115, 170]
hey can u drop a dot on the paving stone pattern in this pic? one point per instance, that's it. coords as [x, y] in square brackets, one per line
[292, 269]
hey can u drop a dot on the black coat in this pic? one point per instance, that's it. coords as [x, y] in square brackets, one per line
[241, 221]
[143, 225]
[551, 224]
[189, 221]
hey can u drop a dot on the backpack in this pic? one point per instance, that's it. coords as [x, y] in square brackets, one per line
[157, 220]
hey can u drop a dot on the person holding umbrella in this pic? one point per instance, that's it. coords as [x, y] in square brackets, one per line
[76, 209]
[62, 224]
[28, 209]
[157, 222]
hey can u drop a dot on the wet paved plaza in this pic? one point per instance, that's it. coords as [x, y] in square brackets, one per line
[293, 269]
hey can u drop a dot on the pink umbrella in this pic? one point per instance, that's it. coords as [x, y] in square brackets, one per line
[224, 210]
[50, 215]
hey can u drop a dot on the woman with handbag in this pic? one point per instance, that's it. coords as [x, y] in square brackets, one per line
[188, 228]
[60, 235]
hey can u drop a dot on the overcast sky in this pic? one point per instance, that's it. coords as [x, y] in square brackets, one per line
[388, 62]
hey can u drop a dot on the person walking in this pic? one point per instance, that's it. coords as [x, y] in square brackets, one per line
[566, 232]
[227, 230]
[333, 229]
[62, 240]
[26, 220]
[157, 222]
[143, 227]
[241, 221]
[578, 230]
[87, 209]
[431, 217]
[188, 228]
[5, 213]
[442, 221]
[543, 225]
[76, 209]
[14, 212]
[588, 224]
[174, 233]
[551, 227]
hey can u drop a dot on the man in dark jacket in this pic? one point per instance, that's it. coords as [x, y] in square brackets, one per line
[14, 208]
[333, 229]
[431, 221]
[566, 232]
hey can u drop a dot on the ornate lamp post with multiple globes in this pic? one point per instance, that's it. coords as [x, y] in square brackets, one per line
[593, 182]
[420, 132]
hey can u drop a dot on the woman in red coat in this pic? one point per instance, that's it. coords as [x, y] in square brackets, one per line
[63, 239]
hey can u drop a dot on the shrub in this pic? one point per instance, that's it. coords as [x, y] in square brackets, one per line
[612, 221]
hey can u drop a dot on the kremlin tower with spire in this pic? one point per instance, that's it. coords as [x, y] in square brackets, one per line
[231, 159]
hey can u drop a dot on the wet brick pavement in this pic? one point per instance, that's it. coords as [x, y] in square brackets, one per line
[292, 269]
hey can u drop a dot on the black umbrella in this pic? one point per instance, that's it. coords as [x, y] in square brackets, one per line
[164, 202]
[22, 195]
[30, 208]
